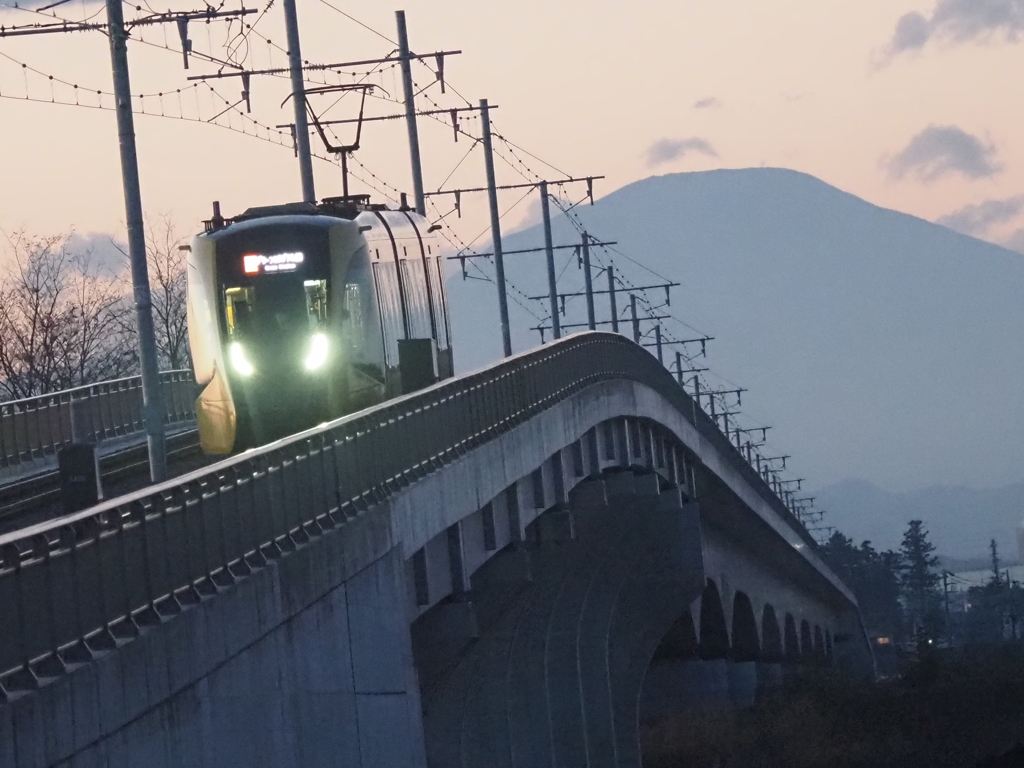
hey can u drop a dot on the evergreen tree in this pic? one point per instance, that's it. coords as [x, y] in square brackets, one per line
[920, 583]
[874, 579]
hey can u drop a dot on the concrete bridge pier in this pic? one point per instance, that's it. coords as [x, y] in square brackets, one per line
[555, 677]
[769, 678]
[769, 664]
[710, 682]
[742, 683]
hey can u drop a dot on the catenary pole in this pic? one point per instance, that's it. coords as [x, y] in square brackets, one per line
[299, 102]
[588, 283]
[499, 259]
[636, 320]
[549, 252]
[410, 115]
[152, 399]
[611, 299]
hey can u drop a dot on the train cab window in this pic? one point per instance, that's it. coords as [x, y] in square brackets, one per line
[316, 302]
[238, 303]
[269, 310]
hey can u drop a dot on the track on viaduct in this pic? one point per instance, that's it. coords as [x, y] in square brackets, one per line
[566, 522]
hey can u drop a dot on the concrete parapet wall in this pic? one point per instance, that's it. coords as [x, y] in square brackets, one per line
[307, 662]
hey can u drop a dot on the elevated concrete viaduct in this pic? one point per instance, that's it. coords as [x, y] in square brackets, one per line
[512, 568]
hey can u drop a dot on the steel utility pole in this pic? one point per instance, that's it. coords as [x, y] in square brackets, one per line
[549, 252]
[152, 397]
[298, 101]
[591, 320]
[611, 299]
[636, 320]
[945, 597]
[410, 115]
[499, 259]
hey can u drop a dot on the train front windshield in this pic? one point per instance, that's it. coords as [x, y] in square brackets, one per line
[277, 326]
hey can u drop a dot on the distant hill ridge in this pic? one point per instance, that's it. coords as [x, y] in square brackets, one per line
[960, 521]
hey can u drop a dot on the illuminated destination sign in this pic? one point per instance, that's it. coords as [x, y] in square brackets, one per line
[255, 263]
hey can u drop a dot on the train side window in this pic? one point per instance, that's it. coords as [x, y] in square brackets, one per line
[389, 297]
[435, 273]
[354, 316]
[361, 321]
[417, 300]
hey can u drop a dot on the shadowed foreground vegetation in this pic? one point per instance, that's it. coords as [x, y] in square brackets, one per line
[945, 711]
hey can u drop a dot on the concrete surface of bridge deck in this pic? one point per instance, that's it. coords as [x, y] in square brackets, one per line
[568, 546]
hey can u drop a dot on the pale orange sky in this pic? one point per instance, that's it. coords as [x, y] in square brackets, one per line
[589, 86]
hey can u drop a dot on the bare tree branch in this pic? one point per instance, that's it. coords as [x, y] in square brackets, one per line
[61, 320]
[167, 289]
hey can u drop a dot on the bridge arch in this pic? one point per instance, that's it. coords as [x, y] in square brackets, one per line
[745, 644]
[791, 641]
[714, 634]
[771, 637]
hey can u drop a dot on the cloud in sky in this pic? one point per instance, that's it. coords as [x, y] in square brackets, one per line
[912, 32]
[707, 103]
[958, 21]
[666, 150]
[103, 251]
[941, 150]
[979, 218]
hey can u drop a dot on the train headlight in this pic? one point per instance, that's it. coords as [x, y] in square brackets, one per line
[317, 354]
[238, 359]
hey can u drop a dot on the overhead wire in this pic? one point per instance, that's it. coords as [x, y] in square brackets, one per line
[352, 18]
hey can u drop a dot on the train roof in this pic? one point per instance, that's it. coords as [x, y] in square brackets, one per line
[347, 208]
[234, 226]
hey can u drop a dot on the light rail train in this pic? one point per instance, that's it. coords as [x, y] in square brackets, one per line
[301, 313]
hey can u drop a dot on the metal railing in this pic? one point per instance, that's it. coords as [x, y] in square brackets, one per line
[74, 585]
[34, 429]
